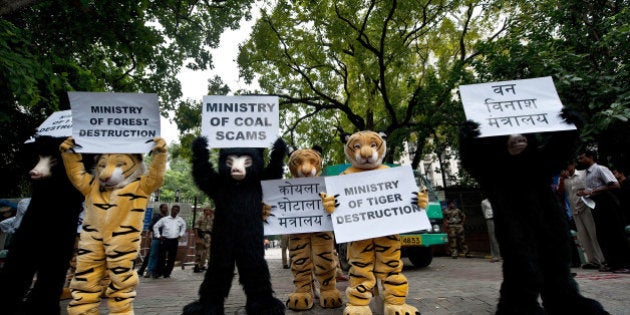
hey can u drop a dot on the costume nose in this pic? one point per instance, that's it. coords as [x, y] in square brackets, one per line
[366, 152]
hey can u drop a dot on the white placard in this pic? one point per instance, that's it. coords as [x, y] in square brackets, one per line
[58, 125]
[240, 121]
[296, 206]
[114, 122]
[375, 203]
[511, 107]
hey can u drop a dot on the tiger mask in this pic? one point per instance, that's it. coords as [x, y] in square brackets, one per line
[306, 162]
[117, 170]
[365, 149]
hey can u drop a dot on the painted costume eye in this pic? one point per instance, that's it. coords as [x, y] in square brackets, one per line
[356, 146]
[229, 161]
[248, 161]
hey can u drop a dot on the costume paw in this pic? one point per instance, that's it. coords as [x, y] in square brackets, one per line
[200, 148]
[421, 199]
[266, 211]
[329, 202]
[403, 309]
[267, 306]
[66, 144]
[160, 145]
[300, 301]
[197, 308]
[357, 310]
[469, 130]
[330, 299]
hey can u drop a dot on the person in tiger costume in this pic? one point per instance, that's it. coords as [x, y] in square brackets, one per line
[311, 253]
[116, 197]
[375, 257]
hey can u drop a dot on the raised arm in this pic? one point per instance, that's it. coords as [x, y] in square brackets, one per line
[275, 168]
[155, 177]
[203, 173]
[73, 162]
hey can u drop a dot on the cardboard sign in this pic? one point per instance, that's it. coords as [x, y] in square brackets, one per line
[296, 206]
[375, 203]
[58, 125]
[114, 122]
[512, 107]
[240, 121]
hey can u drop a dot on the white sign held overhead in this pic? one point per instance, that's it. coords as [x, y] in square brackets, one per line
[510, 107]
[114, 122]
[296, 206]
[375, 203]
[58, 125]
[240, 121]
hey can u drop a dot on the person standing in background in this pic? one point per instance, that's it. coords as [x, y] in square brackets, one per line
[454, 220]
[284, 247]
[601, 186]
[486, 208]
[172, 227]
[151, 260]
[571, 181]
[203, 229]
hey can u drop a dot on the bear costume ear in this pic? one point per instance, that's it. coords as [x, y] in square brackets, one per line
[318, 149]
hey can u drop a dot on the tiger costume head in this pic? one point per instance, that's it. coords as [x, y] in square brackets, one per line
[118, 170]
[306, 162]
[365, 149]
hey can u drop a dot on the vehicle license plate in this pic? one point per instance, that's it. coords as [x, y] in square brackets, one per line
[411, 240]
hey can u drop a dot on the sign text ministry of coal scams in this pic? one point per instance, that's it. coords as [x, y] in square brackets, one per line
[240, 121]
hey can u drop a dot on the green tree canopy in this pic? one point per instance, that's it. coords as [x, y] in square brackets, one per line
[50, 47]
[388, 66]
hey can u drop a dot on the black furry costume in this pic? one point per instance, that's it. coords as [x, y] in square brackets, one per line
[531, 226]
[44, 242]
[237, 233]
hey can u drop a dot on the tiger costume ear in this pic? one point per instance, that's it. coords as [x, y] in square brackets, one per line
[318, 149]
[344, 136]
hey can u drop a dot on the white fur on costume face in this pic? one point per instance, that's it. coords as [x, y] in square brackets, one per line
[43, 167]
[238, 165]
[118, 170]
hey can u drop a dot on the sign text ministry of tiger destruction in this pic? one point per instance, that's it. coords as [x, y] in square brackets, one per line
[240, 121]
[375, 203]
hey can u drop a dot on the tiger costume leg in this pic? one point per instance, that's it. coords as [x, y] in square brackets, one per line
[86, 285]
[388, 269]
[362, 280]
[322, 245]
[301, 265]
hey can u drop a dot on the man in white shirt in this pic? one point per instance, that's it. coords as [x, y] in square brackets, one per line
[572, 181]
[173, 227]
[601, 186]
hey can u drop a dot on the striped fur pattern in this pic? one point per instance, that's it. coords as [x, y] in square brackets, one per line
[116, 197]
[378, 257]
[311, 253]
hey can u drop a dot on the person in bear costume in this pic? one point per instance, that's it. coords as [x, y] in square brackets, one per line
[237, 234]
[375, 257]
[531, 227]
[44, 242]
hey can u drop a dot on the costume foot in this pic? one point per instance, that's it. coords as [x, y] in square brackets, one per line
[265, 306]
[580, 306]
[330, 299]
[300, 301]
[403, 309]
[357, 310]
[197, 308]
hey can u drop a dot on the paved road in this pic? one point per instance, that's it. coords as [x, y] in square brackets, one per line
[448, 286]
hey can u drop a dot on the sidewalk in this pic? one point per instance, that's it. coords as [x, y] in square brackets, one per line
[447, 286]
